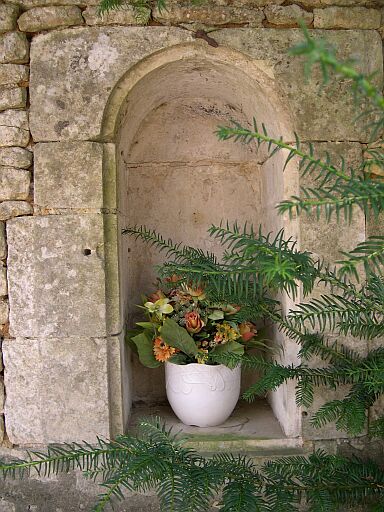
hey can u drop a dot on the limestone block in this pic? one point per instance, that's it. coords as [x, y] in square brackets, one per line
[12, 136]
[16, 157]
[9, 209]
[17, 118]
[3, 282]
[14, 183]
[3, 242]
[15, 97]
[3, 311]
[30, 4]
[327, 239]
[14, 48]
[57, 278]
[57, 390]
[208, 14]
[13, 74]
[5, 506]
[287, 15]
[59, 184]
[14, 128]
[338, 3]
[312, 112]
[124, 16]
[48, 18]
[352, 17]
[72, 109]
[8, 17]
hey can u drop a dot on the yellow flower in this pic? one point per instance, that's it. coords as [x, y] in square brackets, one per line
[160, 307]
[202, 356]
[225, 333]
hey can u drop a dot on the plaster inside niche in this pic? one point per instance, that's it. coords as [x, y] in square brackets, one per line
[176, 176]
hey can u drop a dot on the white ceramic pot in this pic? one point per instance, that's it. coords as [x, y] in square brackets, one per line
[201, 394]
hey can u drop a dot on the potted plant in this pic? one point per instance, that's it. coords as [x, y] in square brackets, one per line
[192, 336]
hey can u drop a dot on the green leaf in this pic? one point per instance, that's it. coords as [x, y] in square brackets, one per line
[232, 347]
[216, 315]
[178, 359]
[178, 337]
[145, 325]
[144, 345]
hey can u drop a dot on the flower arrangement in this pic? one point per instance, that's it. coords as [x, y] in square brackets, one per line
[184, 326]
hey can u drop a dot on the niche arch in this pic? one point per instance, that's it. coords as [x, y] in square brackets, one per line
[174, 175]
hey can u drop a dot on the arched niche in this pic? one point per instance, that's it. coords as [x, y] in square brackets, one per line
[174, 175]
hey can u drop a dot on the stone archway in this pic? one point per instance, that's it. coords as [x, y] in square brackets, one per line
[175, 176]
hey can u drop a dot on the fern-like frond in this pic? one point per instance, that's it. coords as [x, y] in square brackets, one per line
[369, 253]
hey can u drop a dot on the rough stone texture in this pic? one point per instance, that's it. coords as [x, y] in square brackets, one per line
[57, 390]
[312, 112]
[16, 157]
[17, 118]
[14, 183]
[208, 14]
[287, 15]
[14, 48]
[56, 287]
[59, 184]
[15, 97]
[339, 3]
[2, 397]
[10, 209]
[8, 17]
[13, 74]
[353, 17]
[3, 282]
[77, 113]
[3, 311]
[48, 18]
[3, 242]
[29, 4]
[125, 16]
[14, 128]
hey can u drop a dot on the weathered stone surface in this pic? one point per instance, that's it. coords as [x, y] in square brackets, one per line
[3, 311]
[81, 116]
[209, 14]
[14, 48]
[29, 4]
[8, 507]
[3, 242]
[66, 398]
[327, 239]
[56, 286]
[8, 17]
[47, 18]
[16, 157]
[14, 183]
[339, 3]
[312, 112]
[15, 97]
[3, 281]
[16, 118]
[288, 15]
[353, 17]
[13, 74]
[14, 129]
[125, 16]
[69, 175]
[72, 109]
[12, 136]
[1, 395]
[9, 209]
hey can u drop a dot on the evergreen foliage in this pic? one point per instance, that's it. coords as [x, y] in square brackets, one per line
[141, 8]
[185, 481]
[252, 266]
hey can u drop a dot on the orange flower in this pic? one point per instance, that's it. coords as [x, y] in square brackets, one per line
[158, 294]
[196, 293]
[193, 322]
[247, 330]
[161, 350]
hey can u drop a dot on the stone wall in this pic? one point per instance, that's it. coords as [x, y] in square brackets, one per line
[63, 320]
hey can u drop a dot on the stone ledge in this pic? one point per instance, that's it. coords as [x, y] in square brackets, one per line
[47, 18]
[9, 209]
[287, 16]
[124, 16]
